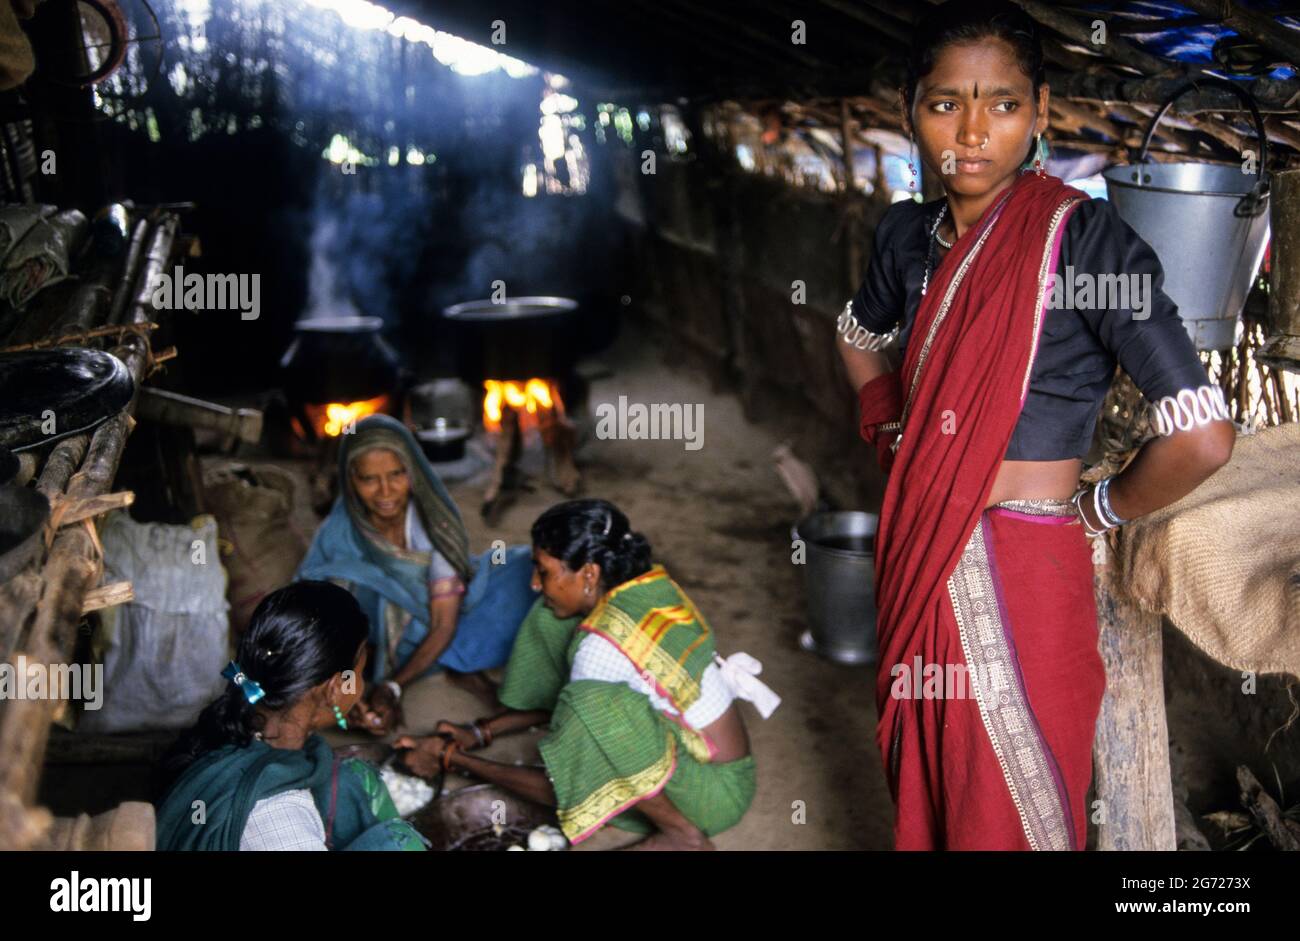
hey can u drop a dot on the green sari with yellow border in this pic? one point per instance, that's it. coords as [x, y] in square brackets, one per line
[609, 747]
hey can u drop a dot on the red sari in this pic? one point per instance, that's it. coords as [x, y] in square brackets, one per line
[1003, 594]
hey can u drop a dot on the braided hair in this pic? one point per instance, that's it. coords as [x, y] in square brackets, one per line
[580, 531]
[299, 637]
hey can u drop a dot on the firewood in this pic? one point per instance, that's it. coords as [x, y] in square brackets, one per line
[499, 491]
[108, 596]
[170, 408]
[559, 438]
[68, 510]
[1282, 833]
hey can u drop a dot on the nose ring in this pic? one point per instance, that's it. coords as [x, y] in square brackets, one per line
[986, 142]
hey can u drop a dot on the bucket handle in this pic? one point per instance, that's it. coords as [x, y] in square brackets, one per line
[1254, 202]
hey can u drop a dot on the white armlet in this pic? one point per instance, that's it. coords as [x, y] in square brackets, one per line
[1189, 408]
[858, 336]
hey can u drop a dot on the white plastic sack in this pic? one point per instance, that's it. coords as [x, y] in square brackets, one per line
[165, 650]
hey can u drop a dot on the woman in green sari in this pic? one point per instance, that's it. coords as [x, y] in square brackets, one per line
[644, 730]
[251, 774]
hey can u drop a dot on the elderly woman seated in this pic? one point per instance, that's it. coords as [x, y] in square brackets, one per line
[396, 540]
[645, 732]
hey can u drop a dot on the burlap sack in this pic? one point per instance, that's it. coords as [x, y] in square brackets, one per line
[1223, 563]
[261, 547]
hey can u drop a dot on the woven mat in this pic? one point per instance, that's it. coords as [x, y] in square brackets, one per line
[1223, 563]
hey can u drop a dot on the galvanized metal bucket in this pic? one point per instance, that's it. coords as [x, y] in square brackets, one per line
[1208, 224]
[839, 578]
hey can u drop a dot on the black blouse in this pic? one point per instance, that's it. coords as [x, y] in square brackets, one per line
[1081, 338]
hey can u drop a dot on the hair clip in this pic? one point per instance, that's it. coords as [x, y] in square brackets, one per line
[609, 521]
[251, 689]
[627, 535]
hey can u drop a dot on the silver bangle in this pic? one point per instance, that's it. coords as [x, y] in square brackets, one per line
[858, 336]
[1189, 408]
[1088, 529]
[1096, 506]
[1108, 513]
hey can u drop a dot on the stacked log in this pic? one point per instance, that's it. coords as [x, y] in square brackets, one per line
[42, 610]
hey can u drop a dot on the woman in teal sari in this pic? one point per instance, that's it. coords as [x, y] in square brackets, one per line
[396, 540]
[252, 774]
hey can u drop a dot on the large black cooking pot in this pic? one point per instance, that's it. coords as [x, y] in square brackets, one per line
[77, 388]
[339, 359]
[519, 338]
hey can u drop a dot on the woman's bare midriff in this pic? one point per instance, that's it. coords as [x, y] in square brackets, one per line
[728, 735]
[1035, 480]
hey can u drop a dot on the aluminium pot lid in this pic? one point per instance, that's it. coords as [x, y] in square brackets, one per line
[46, 395]
[349, 324]
[486, 310]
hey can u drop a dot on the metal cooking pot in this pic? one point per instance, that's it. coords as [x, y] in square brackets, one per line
[443, 442]
[339, 359]
[520, 338]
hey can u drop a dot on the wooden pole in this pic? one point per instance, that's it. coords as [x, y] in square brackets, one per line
[1134, 790]
[69, 573]
[1257, 26]
[1273, 95]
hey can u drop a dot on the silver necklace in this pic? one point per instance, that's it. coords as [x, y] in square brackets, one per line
[929, 249]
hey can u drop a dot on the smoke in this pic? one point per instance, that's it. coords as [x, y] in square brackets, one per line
[532, 245]
[325, 297]
[365, 247]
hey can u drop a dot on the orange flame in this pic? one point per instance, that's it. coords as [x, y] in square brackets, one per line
[531, 399]
[337, 418]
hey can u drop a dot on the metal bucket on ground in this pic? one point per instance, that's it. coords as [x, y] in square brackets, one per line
[1208, 225]
[839, 578]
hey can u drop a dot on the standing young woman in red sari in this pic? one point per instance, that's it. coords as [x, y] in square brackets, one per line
[983, 560]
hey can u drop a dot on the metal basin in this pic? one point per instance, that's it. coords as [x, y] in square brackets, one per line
[458, 817]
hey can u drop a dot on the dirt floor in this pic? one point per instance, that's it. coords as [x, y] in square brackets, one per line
[719, 519]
